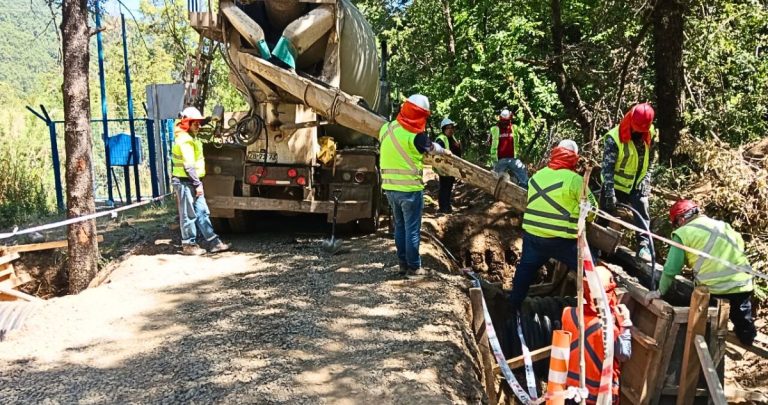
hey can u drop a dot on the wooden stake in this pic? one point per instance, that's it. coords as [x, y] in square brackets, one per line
[697, 324]
[580, 287]
[519, 361]
[481, 336]
[710, 372]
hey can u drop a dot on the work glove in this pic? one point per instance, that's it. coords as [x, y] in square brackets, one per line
[199, 190]
[439, 150]
[653, 295]
[626, 321]
[610, 204]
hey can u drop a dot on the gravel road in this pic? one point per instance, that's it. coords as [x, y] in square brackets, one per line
[274, 321]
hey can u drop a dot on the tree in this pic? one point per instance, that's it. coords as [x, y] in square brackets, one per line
[82, 263]
[668, 57]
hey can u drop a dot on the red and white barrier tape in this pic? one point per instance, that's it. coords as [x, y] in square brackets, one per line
[670, 242]
[75, 220]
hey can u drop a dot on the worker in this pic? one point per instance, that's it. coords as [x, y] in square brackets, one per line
[447, 140]
[503, 143]
[695, 230]
[626, 173]
[403, 144]
[594, 348]
[188, 170]
[550, 219]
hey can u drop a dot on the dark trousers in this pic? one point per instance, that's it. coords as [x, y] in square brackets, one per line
[445, 194]
[536, 252]
[741, 315]
[633, 199]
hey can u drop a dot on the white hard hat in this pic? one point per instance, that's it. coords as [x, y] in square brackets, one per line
[570, 145]
[419, 100]
[446, 121]
[192, 113]
[505, 113]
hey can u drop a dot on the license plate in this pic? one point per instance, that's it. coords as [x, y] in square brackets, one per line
[259, 156]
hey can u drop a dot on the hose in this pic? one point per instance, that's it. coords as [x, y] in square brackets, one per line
[647, 227]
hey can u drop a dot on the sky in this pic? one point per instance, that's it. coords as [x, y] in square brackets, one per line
[113, 6]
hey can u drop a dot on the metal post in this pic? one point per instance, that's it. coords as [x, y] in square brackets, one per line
[56, 162]
[127, 177]
[152, 158]
[134, 144]
[103, 88]
[164, 134]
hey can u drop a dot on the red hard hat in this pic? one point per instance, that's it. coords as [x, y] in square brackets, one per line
[642, 117]
[680, 208]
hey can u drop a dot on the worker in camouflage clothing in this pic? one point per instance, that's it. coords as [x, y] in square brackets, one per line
[626, 170]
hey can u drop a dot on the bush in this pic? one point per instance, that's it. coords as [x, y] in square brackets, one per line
[22, 193]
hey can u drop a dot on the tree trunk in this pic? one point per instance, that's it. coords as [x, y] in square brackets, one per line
[668, 57]
[566, 90]
[83, 249]
[450, 37]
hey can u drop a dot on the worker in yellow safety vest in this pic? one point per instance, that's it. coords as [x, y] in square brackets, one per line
[718, 239]
[625, 169]
[550, 218]
[188, 169]
[403, 144]
[503, 149]
[447, 140]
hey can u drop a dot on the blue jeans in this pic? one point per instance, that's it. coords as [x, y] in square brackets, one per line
[536, 252]
[406, 217]
[515, 167]
[193, 214]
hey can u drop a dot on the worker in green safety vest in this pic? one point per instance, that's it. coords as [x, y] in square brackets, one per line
[717, 239]
[188, 169]
[504, 152]
[550, 218]
[447, 140]
[626, 172]
[403, 144]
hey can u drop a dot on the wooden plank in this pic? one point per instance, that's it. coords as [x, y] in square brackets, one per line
[519, 361]
[660, 372]
[18, 295]
[737, 396]
[645, 340]
[8, 258]
[32, 247]
[689, 368]
[481, 336]
[719, 331]
[710, 372]
[15, 281]
[754, 349]
[6, 270]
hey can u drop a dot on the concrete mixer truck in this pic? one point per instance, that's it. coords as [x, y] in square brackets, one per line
[281, 155]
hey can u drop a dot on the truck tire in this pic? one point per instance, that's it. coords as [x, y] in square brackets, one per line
[239, 224]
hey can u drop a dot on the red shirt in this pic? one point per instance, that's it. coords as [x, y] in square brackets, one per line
[506, 140]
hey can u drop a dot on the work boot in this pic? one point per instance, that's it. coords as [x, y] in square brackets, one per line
[644, 254]
[403, 269]
[417, 273]
[219, 246]
[192, 249]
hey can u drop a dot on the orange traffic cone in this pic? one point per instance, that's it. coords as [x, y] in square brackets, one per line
[558, 366]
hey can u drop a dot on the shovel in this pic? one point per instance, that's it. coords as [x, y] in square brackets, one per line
[333, 245]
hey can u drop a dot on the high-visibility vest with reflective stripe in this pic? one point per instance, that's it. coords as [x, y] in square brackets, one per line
[444, 139]
[719, 240]
[494, 152]
[177, 159]
[594, 353]
[552, 212]
[625, 172]
[400, 161]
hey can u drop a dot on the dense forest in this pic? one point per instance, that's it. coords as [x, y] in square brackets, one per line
[568, 69]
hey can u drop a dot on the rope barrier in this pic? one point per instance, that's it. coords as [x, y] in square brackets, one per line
[75, 220]
[670, 242]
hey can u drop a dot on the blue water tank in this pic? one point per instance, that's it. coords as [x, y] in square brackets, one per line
[120, 151]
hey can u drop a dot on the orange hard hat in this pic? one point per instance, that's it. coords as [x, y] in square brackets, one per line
[642, 117]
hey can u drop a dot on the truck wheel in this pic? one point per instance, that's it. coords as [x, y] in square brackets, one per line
[369, 225]
[220, 225]
[239, 224]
